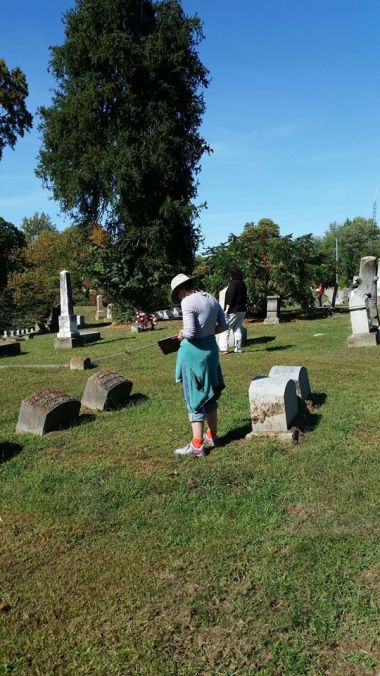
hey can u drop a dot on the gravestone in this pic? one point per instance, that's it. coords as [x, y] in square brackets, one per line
[80, 321]
[53, 320]
[80, 363]
[378, 283]
[10, 348]
[177, 312]
[273, 307]
[68, 334]
[168, 314]
[298, 374]
[367, 284]
[274, 407]
[47, 410]
[109, 311]
[100, 309]
[106, 390]
[361, 336]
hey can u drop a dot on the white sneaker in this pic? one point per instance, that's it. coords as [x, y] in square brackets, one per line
[208, 442]
[237, 349]
[191, 450]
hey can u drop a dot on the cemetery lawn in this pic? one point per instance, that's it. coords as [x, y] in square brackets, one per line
[118, 558]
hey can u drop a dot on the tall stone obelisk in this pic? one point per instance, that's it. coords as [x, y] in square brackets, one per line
[68, 335]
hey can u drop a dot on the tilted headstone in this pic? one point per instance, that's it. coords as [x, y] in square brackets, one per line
[10, 348]
[298, 374]
[47, 410]
[106, 390]
[68, 334]
[100, 309]
[367, 284]
[273, 308]
[274, 407]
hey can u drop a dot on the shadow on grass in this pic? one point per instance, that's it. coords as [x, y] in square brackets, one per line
[235, 435]
[9, 450]
[136, 399]
[96, 325]
[260, 339]
[309, 416]
[86, 418]
[279, 347]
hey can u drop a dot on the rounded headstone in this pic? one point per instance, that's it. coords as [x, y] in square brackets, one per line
[47, 410]
[106, 390]
[296, 373]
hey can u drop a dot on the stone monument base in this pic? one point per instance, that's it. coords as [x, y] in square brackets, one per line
[271, 320]
[290, 436]
[364, 339]
[89, 336]
[68, 343]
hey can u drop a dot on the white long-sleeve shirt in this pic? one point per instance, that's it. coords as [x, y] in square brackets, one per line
[201, 314]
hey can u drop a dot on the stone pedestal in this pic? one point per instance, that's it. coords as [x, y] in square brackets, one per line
[273, 308]
[298, 374]
[364, 339]
[100, 309]
[274, 407]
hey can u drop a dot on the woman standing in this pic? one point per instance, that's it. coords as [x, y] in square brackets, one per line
[198, 361]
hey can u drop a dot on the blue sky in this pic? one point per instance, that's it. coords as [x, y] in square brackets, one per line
[292, 111]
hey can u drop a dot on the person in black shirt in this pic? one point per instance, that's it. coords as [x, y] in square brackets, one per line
[235, 309]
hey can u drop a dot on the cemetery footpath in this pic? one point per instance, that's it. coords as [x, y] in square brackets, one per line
[118, 557]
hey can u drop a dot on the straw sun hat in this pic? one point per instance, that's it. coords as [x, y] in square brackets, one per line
[176, 283]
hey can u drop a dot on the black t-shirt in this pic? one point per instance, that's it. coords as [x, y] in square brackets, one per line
[236, 296]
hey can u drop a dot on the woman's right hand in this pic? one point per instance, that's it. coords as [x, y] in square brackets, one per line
[180, 335]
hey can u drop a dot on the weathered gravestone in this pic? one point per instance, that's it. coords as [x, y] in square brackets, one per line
[100, 309]
[362, 335]
[109, 311]
[106, 390]
[273, 307]
[296, 373]
[80, 321]
[367, 284]
[80, 363]
[10, 348]
[177, 312]
[168, 314]
[274, 407]
[47, 410]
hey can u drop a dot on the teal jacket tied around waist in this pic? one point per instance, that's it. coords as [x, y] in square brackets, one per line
[200, 359]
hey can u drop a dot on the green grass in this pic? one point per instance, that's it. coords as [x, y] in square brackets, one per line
[118, 558]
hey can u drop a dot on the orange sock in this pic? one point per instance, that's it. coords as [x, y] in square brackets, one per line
[197, 443]
[211, 434]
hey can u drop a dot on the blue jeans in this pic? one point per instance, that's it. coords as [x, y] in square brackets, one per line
[201, 414]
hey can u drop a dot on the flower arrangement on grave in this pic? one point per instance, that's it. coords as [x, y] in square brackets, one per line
[144, 321]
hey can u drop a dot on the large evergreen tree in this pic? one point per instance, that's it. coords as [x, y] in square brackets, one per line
[121, 144]
[15, 119]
